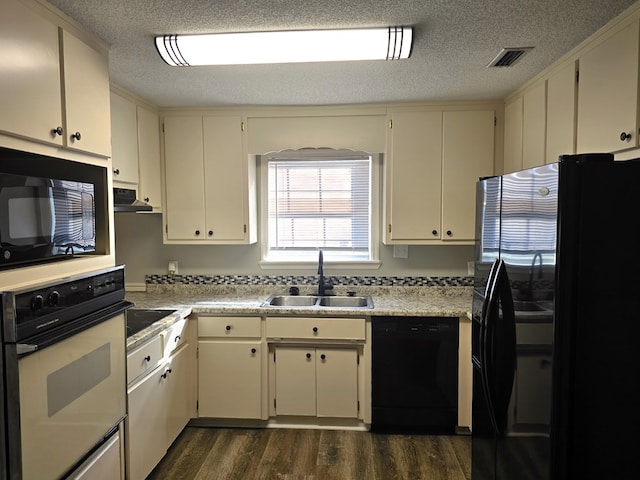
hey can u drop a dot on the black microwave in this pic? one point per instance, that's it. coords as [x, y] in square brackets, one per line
[49, 208]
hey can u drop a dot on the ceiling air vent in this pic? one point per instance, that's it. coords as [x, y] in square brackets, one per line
[508, 56]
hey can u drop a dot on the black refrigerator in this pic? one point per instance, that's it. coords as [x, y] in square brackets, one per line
[556, 322]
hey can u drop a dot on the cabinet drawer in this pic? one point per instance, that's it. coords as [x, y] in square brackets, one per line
[229, 327]
[316, 328]
[144, 358]
[174, 336]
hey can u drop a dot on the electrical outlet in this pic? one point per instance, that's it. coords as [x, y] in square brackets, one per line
[471, 268]
[401, 251]
[173, 267]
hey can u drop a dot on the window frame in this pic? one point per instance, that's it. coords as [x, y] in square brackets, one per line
[316, 153]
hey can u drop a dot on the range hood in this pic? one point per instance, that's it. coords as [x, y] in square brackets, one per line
[124, 200]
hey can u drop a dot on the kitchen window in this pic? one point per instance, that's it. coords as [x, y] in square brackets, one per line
[319, 199]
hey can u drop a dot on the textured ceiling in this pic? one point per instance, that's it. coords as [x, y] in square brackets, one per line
[454, 41]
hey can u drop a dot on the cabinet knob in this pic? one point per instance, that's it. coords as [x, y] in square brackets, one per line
[624, 136]
[434, 232]
[57, 131]
[449, 233]
[76, 136]
[227, 328]
[323, 356]
[315, 329]
[253, 351]
[147, 358]
[177, 339]
[197, 232]
[308, 356]
[146, 199]
[166, 373]
[117, 171]
[210, 232]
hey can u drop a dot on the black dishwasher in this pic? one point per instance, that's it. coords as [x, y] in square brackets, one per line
[415, 374]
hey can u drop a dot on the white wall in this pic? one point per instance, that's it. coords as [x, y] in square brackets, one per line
[139, 246]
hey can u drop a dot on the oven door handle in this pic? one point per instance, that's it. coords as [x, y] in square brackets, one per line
[69, 329]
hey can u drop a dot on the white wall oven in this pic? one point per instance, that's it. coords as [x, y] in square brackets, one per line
[63, 390]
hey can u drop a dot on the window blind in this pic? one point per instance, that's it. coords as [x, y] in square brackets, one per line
[319, 203]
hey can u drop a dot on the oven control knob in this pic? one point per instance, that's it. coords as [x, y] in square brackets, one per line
[53, 298]
[37, 303]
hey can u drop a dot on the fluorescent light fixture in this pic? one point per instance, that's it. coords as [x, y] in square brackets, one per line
[388, 43]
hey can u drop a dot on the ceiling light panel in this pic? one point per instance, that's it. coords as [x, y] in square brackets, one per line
[389, 43]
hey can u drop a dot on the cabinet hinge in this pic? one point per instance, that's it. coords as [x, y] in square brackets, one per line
[197, 352]
[358, 405]
[242, 126]
[274, 403]
[577, 76]
[245, 228]
[389, 228]
[390, 123]
[197, 405]
[162, 127]
[495, 121]
[166, 228]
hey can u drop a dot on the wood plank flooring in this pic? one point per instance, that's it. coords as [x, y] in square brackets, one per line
[292, 454]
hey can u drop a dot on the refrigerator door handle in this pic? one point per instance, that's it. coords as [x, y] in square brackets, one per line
[500, 347]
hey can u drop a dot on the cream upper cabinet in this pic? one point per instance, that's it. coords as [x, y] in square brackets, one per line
[413, 177]
[124, 140]
[86, 93]
[513, 135]
[184, 178]
[434, 160]
[29, 75]
[210, 182]
[608, 93]
[534, 126]
[467, 155]
[149, 165]
[561, 113]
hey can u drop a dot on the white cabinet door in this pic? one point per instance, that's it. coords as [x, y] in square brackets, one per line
[178, 409]
[225, 179]
[230, 379]
[124, 140]
[184, 170]
[534, 126]
[608, 93]
[561, 113]
[337, 382]
[149, 166]
[467, 155]
[295, 381]
[146, 428]
[413, 177]
[86, 94]
[513, 136]
[29, 74]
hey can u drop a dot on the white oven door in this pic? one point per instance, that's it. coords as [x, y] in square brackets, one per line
[71, 394]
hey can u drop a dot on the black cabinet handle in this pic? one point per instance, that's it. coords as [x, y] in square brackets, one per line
[227, 328]
[146, 199]
[57, 131]
[117, 171]
[323, 356]
[253, 351]
[197, 232]
[315, 329]
[210, 232]
[166, 373]
[76, 136]
[434, 232]
[308, 356]
[449, 233]
[624, 136]
[147, 358]
[177, 339]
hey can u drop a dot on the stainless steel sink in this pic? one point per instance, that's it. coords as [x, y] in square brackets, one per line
[326, 301]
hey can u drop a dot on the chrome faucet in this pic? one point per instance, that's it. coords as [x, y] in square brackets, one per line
[538, 255]
[322, 286]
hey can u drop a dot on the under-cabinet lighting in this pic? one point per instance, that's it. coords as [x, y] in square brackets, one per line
[388, 43]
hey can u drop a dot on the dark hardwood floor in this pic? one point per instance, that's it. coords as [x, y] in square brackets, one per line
[291, 454]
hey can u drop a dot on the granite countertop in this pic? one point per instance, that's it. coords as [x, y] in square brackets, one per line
[387, 301]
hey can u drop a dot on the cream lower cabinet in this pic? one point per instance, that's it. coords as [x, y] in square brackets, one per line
[231, 356]
[434, 160]
[159, 400]
[320, 382]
